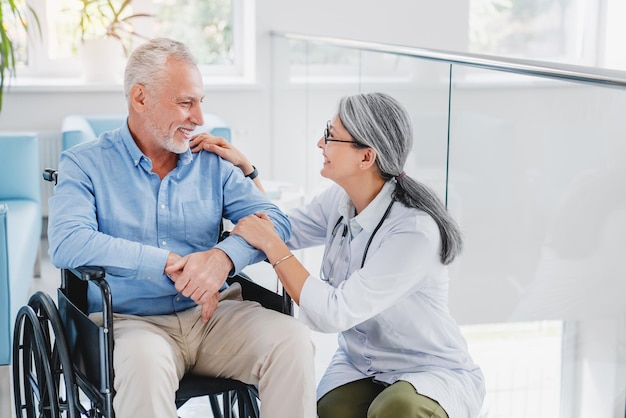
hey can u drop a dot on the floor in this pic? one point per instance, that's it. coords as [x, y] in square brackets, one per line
[197, 408]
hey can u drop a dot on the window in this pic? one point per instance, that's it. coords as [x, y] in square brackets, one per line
[613, 35]
[217, 32]
[547, 30]
[310, 62]
[522, 367]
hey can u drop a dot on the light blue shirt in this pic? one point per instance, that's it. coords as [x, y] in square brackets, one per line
[391, 314]
[110, 210]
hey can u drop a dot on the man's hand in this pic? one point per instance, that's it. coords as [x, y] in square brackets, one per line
[200, 276]
[209, 307]
[172, 258]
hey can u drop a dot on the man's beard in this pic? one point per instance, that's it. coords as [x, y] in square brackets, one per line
[171, 144]
[168, 140]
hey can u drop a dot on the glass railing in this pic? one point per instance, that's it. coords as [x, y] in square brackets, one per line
[530, 158]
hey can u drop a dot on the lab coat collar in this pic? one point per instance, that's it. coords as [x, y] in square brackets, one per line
[370, 216]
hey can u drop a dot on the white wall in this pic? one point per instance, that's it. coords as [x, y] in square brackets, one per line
[418, 23]
[248, 109]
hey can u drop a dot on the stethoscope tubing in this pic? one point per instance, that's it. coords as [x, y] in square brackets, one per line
[369, 241]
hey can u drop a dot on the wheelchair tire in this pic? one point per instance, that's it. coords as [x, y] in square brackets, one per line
[34, 388]
[58, 352]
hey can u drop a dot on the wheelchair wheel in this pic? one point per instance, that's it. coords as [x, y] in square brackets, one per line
[42, 370]
[61, 364]
[34, 388]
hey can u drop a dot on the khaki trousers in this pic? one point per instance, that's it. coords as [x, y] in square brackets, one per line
[242, 340]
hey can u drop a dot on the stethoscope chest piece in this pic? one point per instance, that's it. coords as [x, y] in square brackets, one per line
[337, 249]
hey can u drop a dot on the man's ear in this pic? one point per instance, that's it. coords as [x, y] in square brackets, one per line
[137, 97]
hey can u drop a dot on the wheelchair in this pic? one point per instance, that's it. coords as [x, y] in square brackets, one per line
[63, 361]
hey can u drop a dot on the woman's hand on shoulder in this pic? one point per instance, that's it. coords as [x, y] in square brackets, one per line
[221, 147]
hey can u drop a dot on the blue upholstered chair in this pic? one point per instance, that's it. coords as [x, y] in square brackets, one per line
[80, 128]
[20, 228]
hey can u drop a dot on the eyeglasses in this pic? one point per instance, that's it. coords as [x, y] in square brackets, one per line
[327, 134]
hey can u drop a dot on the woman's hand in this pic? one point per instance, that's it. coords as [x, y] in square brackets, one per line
[221, 147]
[257, 230]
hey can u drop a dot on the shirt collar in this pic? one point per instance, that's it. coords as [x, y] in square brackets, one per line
[370, 216]
[136, 154]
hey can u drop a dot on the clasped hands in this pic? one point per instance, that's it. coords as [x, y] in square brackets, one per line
[200, 276]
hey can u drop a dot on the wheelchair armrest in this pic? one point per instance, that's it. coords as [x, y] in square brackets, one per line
[88, 272]
[268, 299]
[78, 291]
[96, 365]
[74, 286]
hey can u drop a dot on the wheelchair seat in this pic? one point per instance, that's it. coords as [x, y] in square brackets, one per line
[46, 338]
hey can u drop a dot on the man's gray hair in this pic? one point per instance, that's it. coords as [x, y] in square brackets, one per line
[147, 62]
[380, 122]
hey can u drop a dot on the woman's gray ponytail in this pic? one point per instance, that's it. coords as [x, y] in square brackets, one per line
[378, 121]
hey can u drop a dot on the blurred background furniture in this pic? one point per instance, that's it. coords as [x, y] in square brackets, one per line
[80, 128]
[20, 229]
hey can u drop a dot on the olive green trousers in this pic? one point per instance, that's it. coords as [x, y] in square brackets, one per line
[368, 399]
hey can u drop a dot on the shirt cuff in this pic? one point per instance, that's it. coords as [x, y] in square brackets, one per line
[239, 252]
[153, 260]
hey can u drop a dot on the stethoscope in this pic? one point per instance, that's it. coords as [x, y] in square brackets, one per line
[344, 233]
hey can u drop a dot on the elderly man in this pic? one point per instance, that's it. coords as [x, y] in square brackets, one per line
[138, 203]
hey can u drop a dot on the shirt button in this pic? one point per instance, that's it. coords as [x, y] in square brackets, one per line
[362, 338]
[162, 206]
[177, 299]
[163, 242]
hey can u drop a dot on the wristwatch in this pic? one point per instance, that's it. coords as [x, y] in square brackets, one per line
[254, 173]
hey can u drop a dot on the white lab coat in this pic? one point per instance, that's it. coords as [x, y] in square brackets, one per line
[392, 314]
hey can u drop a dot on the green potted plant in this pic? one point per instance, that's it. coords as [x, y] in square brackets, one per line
[106, 29]
[12, 11]
[108, 18]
